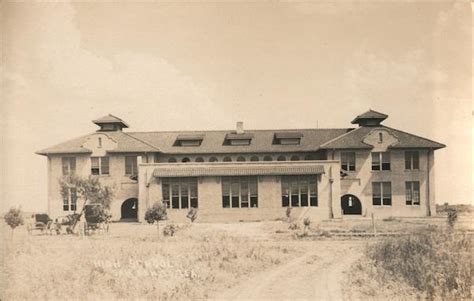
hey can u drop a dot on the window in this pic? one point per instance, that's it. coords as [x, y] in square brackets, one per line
[156, 158]
[239, 192]
[299, 191]
[189, 140]
[267, 158]
[213, 159]
[287, 138]
[348, 161]
[381, 193]
[69, 165]
[412, 160]
[70, 201]
[99, 142]
[131, 166]
[172, 160]
[380, 137]
[295, 158]
[180, 193]
[99, 165]
[186, 160]
[381, 161]
[199, 159]
[238, 139]
[309, 157]
[254, 158]
[227, 159]
[412, 193]
[281, 158]
[240, 159]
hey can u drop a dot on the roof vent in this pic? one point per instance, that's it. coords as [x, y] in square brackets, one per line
[110, 123]
[369, 118]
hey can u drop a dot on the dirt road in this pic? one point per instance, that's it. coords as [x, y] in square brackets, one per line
[318, 275]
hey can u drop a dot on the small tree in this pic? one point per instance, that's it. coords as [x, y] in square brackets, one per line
[156, 213]
[192, 214]
[90, 190]
[288, 214]
[452, 217]
[14, 218]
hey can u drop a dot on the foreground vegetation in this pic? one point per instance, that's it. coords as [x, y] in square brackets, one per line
[429, 263]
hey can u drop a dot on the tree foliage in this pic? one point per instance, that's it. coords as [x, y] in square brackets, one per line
[88, 189]
[14, 218]
[156, 213]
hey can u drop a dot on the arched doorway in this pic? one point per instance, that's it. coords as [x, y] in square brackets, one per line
[351, 205]
[130, 209]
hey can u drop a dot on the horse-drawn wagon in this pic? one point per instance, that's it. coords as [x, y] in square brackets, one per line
[96, 218]
[41, 222]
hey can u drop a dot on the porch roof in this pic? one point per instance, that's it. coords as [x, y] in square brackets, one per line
[237, 169]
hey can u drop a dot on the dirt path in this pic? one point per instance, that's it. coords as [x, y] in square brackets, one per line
[319, 274]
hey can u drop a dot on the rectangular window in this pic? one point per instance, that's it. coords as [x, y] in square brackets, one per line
[99, 165]
[239, 192]
[381, 161]
[412, 193]
[69, 165]
[70, 201]
[412, 160]
[131, 166]
[180, 193]
[381, 193]
[348, 161]
[299, 191]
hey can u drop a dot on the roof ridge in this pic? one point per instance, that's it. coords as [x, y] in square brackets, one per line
[233, 130]
[444, 145]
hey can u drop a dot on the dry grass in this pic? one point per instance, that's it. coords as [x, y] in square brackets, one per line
[132, 263]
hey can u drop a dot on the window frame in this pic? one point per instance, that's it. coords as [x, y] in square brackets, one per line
[134, 165]
[101, 166]
[382, 160]
[411, 194]
[240, 190]
[70, 203]
[68, 165]
[307, 191]
[186, 195]
[382, 188]
[346, 162]
[410, 160]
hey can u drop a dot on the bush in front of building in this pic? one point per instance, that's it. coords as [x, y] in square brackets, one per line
[14, 218]
[192, 214]
[156, 213]
[170, 230]
[436, 263]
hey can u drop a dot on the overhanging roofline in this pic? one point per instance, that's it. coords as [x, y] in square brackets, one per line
[239, 169]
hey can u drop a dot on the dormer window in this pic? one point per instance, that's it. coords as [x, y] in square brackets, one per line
[189, 140]
[287, 138]
[238, 139]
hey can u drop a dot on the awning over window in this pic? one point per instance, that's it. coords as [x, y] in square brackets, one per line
[236, 169]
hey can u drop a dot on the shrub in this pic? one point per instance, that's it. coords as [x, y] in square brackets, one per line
[14, 218]
[156, 213]
[192, 214]
[288, 214]
[306, 223]
[452, 216]
[170, 230]
[436, 263]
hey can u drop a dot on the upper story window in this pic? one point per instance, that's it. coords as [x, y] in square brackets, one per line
[240, 159]
[131, 165]
[412, 160]
[299, 191]
[281, 158]
[186, 160]
[172, 160]
[213, 159]
[100, 165]
[267, 158]
[295, 158]
[227, 159]
[287, 138]
[156, 158]
[239, 192]
[381, 161]
[412, 193]
[382, 193]
[348, 161]
[199, 159]
[69, 165]
[189, 140]
[254, 158]
[99, 142]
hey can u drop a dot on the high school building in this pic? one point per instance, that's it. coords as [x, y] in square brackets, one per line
[244, 175]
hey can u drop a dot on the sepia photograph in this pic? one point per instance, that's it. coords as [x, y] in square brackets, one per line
[236, 150]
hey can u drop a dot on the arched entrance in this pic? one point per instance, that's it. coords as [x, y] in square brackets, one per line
[351, 205]
[130, 209]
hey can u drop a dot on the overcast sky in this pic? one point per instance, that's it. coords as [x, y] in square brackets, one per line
[208, 65]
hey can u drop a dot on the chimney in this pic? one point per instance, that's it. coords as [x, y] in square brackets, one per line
[240, 127]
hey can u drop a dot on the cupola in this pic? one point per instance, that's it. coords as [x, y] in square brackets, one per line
[369, 118]
[110, 123]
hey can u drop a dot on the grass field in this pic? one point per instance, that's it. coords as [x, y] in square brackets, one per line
[200, 261]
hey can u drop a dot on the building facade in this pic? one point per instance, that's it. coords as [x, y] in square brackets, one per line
[250, 175]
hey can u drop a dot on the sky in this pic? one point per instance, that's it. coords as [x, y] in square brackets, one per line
[203, 65]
